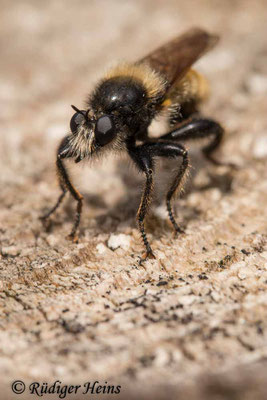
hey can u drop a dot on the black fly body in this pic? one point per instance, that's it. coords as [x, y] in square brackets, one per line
[123, 105]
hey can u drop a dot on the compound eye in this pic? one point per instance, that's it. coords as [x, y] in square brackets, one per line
[104, 130]
[76, 121]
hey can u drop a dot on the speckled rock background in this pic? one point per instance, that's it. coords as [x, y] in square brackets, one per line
[190, 324]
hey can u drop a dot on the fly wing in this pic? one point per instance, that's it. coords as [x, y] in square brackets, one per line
[176, 57]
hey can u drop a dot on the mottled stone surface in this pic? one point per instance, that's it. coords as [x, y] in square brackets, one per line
[190, 324]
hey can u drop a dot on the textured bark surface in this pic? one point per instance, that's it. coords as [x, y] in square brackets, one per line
[190, 324]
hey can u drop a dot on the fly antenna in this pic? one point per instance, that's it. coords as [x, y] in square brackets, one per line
[77, 110]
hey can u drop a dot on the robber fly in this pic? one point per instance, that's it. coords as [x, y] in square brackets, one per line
[120, 109]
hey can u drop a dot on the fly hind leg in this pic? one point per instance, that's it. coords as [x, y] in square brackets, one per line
[177, 185]
[198, 128]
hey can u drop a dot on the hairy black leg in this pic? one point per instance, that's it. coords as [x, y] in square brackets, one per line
[66, 185]
[177, 183]
[171, 150]
[65, 181]
[145, 163]
[54, 208]
[143, 156]
[61, 152]
[142, 211]
[198, 128]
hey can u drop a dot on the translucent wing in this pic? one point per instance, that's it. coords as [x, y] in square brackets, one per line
[176, 57]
